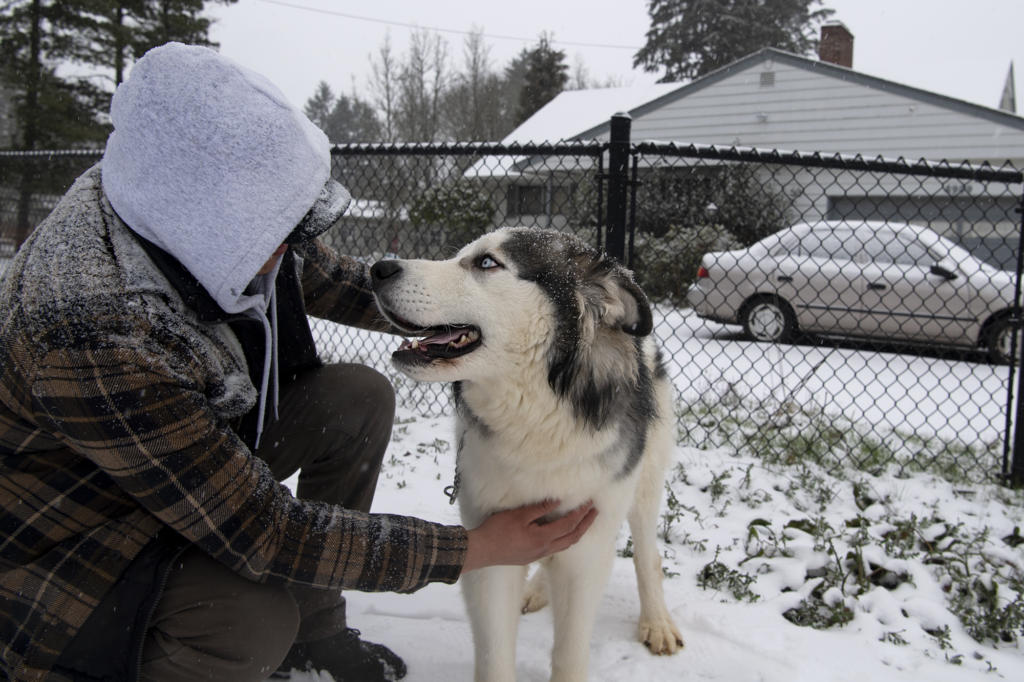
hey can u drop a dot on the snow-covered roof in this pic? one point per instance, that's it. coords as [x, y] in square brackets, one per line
[574, 111]
[567, 116]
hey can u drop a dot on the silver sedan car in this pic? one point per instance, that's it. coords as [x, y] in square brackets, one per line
[889, 281]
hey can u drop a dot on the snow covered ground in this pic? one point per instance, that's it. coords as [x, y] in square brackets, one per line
[773, 572]
[717, 498]
[919, 392]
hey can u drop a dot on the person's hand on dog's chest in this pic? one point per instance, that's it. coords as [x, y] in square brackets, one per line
[521, 536]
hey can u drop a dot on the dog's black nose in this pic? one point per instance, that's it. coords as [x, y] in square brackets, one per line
[384, 269]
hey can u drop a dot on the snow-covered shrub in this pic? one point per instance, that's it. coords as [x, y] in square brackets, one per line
[460, 209]
[666, 266]
[682, 213]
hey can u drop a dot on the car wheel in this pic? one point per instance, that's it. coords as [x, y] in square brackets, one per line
[1000, 341]
[769, 318]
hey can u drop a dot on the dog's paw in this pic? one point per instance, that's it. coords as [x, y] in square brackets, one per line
[534, 600]
[661, 637]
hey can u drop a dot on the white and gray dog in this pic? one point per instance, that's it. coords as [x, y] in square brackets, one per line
[560, 394]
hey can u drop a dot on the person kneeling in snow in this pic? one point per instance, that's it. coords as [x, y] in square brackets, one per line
[159, 378]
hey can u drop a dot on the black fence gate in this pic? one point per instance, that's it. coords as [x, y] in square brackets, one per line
[877, 328]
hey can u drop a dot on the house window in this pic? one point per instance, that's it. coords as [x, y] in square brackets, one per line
[526, 200]
[767, 79]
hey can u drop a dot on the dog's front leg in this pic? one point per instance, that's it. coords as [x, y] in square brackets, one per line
[494, 601]
[577, 578]
[657, 629]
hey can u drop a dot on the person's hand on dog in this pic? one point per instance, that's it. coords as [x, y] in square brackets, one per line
[519, 536]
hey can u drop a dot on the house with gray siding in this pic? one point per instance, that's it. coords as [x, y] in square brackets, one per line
[773, 99]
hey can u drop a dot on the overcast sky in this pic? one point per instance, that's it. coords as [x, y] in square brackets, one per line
[959, 48]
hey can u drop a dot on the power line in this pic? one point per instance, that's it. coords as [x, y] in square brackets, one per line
[438, 29]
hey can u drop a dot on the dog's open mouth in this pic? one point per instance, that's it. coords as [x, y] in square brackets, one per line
[441, 343]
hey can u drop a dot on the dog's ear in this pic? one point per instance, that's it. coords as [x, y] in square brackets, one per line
[616, 299]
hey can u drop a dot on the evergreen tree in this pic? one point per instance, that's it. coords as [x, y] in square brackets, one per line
[345, 118]
[35, 36]
[547, 74]
[318, 107]
[48, 111]
[352, 120]
[689, 38]
[513, 80]
[179, 20]
[117, 32]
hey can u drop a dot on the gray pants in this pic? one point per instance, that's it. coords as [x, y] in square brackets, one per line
[212, 624]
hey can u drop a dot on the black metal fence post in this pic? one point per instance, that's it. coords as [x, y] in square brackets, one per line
[1016, 471]
[634, 183]
[618, 186]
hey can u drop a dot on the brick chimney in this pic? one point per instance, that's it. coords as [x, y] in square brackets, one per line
[836, 44]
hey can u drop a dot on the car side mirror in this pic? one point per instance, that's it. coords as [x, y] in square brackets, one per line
[942, 272]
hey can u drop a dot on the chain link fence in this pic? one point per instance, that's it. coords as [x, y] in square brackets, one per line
[31, 184]
[843, 311]
[428, 200]
[846, 311]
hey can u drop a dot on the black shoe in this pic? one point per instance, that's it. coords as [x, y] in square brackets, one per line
[345, 657]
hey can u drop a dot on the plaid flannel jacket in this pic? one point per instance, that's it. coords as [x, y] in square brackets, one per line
[114, 410]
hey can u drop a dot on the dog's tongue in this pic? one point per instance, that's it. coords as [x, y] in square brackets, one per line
[442, 339]
[450, 336]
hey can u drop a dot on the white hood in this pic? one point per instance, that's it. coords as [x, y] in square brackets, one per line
[209, 162]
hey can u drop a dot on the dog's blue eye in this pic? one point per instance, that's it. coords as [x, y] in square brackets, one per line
[486, 262]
